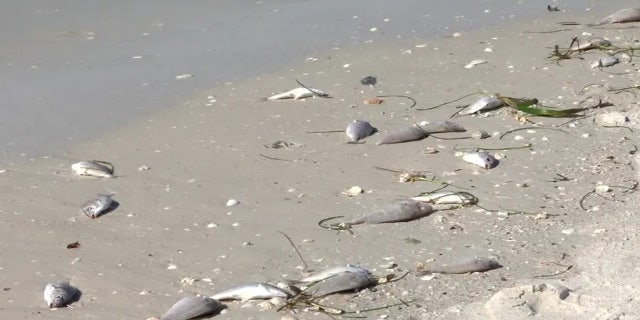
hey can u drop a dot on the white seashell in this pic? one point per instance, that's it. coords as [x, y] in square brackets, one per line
[353, 191]
[94, 207]
[232, 202]
[95, 168]
[481, 158]
[474, 63]
[484, 103]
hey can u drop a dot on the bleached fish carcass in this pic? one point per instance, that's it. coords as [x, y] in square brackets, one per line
[589, 43]
[399, 211]
[359, 129]
[484, 103]
[60, 294]
[603, 62]
[420, 131]
[481, 159]
[333, 271]
[94, 168]
[621, 16]
[192, 307]
[96, 206]
[340, 282]
[448, 197]
[251, 291]
[298, 93]
[468, 265]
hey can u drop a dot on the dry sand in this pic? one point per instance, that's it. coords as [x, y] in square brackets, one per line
[172, 222]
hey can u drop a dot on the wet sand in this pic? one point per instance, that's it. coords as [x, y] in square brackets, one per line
[172, 223]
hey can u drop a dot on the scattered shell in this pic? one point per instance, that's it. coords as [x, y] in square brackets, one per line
[411, 176]
[232, 202]
[60, 294]
[353, 191]
[372, 101]
[94, 168]
[480, 134]
[613, 118]
[603, 188]
[481, 158]
[143, 168]
[474, 63]
[96, 206]
[430, 150]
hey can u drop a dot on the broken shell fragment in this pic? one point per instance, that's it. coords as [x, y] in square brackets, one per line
[480, 134]
[481, 159]
[94, 168]
[96, 206]
[373, 101]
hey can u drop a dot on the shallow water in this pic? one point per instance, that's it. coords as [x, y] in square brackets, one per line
[74, 70]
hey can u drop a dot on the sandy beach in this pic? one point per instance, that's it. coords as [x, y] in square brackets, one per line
[557, 212]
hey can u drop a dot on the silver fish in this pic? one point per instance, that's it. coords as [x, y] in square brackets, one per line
[94, 207]
[400, 211]
[482, 159]
[192, 307]
[621, 16]
[484, 103]
[359, 129]
[420, 131]
[603, 62]
[298, 93]
[475, 264]
[448, 197]
[333, 271]
[251, 291]
[343, 281]
[95, 168]
[60, 294]
[589, 43]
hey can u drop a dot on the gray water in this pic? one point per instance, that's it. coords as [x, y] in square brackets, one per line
[68, 72]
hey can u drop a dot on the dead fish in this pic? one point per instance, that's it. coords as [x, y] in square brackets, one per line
[299, 93]
[621, 16]
[333, 271]
[343, 281]
[60, 294]
[482, 159]
[589, 43]
[94, 207]
[475, 264]
[400, 211]
[420, 131]
[448, 197]
[603, 62]
[484, 103]
[251, 291]
[359, 129]
[94, 168]
[192, 307]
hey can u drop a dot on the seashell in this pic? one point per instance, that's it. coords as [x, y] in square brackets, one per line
[343, 281]
[481, 158]
[448, 197]
[474, 63]
[353, 191]
[359, 129]
[298, 93]
[621, 16]
[373, 101]
[192, 307]
[484, 103]
[94, 207]
[606, 61]
[251, 291]
[60, 294]
[332, 272]
[475, 264]
[400, 211]
[94, 168]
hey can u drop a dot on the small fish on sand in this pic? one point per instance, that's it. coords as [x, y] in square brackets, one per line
[251, 291]
[193, 307]
[621, 16]
[420, 131]
[481, 159]
[96, 206]
[483, 104]
[448, 197]
[359, 129]
[603, 62]
[298, 93]
[340, 282]
[469, 265]
[332, 272]
[60, 294]
[399, 211]
[94, 168]
[589, 43]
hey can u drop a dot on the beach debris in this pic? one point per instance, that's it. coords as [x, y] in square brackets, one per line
[232, 202]
[373, 101]
[281, 144]
[621, 16]
[73, 245]
[482, 104]
[527, 106]
[184, 76]
[412, 176]
[447, 197]
[60, 294]
[369, 81]
[480, 134]
[359, 129]
[95, 207]
[474, 63]
[481, 159]
[327, 273]
[94, 168]
[298, 93]
[551, 8]
[420, 131]
[350, 279]
[603, 62]
[144, 168]
[467, 265]
[399, 211]
[192, 307]
[353, 191]
[612, 119]
[588, 44]
[251, 291]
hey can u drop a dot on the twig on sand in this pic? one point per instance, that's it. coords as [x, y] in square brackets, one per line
[625, 189]
[527, 128]
[446, 103]
[526, 146]
[313, 92]
[304, 263]
[549, 31]
[272, 158]
[400, 96]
